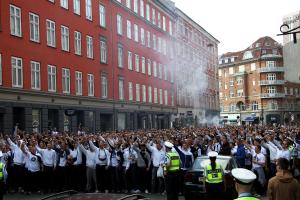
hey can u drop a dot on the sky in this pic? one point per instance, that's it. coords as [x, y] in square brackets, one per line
[239, 23]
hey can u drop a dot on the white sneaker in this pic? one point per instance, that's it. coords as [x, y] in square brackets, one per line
[147, 192]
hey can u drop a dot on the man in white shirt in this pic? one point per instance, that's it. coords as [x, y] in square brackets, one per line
[157, 155]
[258, 163]
[284, 152]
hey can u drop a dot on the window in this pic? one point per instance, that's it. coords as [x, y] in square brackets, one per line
[241, 68]
[76, 5]
[154, 69]
[64, 4]
[220, 72]
[144, 93]
[170, 28]
[51, 78]
[148, 39]
[254, 105]
[230, 70]
[164, 23]
[240, 93]
[137, 92]
[247, 55]
[264, 51]
[128, 3]
[104, 86]
[51, 41]
[121, 89]
[90, 85]
[89, 47]
[231, 82]
[143, 36]
[142, 8]
[257, 45]
[232, 107]
[160, 96]
[143, 65]
[291, 91]
[149, 94]
[88, 9]
[166, 97]
[119, 25]
[129, 60]
[66, 81]
[35, 75]
[130, 91]
[136, 33]
[149, 67]
[271, 90]
[102, 16]
[239, 81]
[271, 76]
[135, 6]
[160, 71]
[253, 66]
[15, 21]
[77, 46]
[148, 12]
[103, 50]
[231, 93]
[137, 63]
[64, 38]
[78, 82]
[120, 56]
[34, 27]
[0, 69]
[275, 51]
[153, 16]
[128, 29]
[158, 20]
[154, 41]
[17, 72]
[272, 104]
[172, 76]
[270, 64]
[155, 95]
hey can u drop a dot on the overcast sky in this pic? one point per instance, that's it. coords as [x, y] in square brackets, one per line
[238, 23]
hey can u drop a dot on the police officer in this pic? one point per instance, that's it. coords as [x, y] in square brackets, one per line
[244, 179]
[213, 173]
[171, 171]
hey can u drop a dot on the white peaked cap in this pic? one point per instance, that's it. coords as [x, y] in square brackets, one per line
[243, 175]
[168, 144]
[212, 154]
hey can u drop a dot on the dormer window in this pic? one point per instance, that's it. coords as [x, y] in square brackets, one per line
[247, 55]
[275, 52]
[257, 45]
[267, 44]
[232, 59]
[264, 52]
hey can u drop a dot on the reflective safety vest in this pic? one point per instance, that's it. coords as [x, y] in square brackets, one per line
[247, 198]
[214, 176]
[1, 171]
[174, 161]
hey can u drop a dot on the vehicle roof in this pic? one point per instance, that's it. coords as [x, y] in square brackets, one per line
[220, 156]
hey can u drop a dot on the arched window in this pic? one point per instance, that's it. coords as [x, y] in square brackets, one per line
[232, 107]
[272, 104]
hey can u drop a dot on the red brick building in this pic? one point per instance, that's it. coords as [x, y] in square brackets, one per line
[253, 86]
[101, 65]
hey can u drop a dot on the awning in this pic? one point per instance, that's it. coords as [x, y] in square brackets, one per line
[250, 119]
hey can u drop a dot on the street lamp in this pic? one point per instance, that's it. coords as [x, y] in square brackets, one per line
[288, 32]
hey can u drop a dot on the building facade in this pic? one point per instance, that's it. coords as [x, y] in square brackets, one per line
[253, 87]
[196, 72]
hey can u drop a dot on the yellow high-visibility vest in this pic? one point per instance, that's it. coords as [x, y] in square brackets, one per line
[174, 161]
[214, 176]
[1, 171]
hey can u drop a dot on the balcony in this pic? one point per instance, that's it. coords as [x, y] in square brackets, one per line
[240, 73]
[272, 95]
[271, 82]
[270, 69]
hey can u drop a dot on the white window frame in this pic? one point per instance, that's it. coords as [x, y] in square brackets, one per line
[128, 4]
[76, 7]
[160, 97]
[158, 20]
[165, 73]
[78, 83]
[120, 56]
[77, 42]
[121, 89]
[17, 72]
[103, 50]
[144, 93]
[88, 10]
[142, 36]
[34, 21]
[154, 68]
[164, 23]
[149, 94]
[142, 8]
[51, 38]
[137, 63]
[130, 91]
[136, 33]
[65, 38]
[89, 47]
[102, 15]
[135, 6]
[170, 28]
[160, 71]
[143, 65]
[148, 12]
[137, 92]
[166, 97]
[148, 39]
[66, 80]
[91, 88]
[130, 60]
[153, 16]
[104, 86]
[155, 95]
[129, 29]
[15, 21]
[35, 75]
[149, 67]
[51, 78]
[119, 25]
[64, 4]
[270, 63]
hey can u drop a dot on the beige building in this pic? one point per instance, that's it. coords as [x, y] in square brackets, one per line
[253, 87]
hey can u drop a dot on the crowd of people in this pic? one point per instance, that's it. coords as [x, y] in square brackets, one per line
[129, 161]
